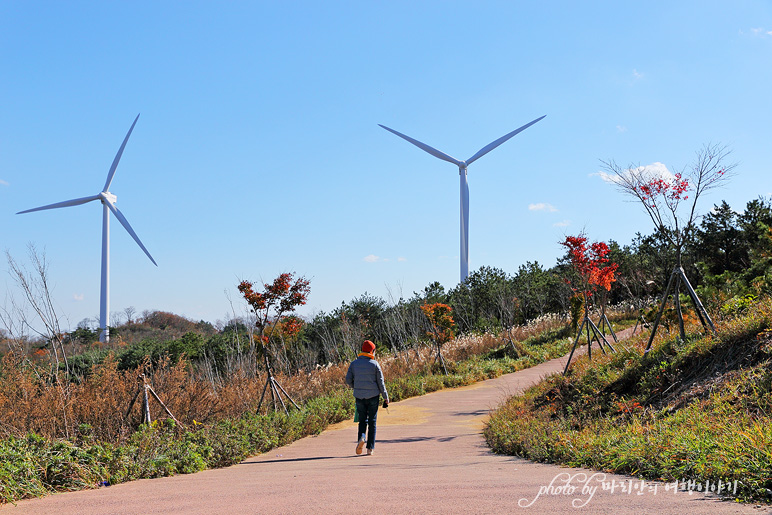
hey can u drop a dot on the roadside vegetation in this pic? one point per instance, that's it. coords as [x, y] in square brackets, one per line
[695, 410]
[104, 452]
[70, 415]
[695, 406]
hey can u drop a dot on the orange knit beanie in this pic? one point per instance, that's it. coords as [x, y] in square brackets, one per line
[368, 347]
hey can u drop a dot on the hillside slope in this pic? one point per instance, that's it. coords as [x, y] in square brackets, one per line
[699, 411]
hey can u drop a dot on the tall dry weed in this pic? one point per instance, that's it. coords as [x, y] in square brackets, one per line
[98, 406]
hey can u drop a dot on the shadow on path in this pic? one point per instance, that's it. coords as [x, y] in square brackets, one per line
[290, 460]
[478, 413]
[414, 439]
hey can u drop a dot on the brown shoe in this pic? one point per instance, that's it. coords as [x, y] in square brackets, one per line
[369, 452]
[361, 445]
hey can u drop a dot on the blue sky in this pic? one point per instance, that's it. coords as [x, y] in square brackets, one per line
[258, 151]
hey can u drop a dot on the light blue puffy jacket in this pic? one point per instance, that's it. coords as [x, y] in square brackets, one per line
[366, 378]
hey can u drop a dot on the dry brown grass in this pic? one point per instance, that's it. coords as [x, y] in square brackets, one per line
[32, 400]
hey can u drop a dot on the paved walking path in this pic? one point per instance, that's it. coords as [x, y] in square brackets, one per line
[430, 457]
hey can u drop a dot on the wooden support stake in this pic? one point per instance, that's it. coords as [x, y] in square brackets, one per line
[146, 404]
[604, 320]
[659, 313]
[677, 276]
[288, 395]
[576, 341]
[600, 335]
[276, 391]
[679, 312]
[144, 389]
[262, 396]
[162, 404]
[697, 303]
[596, 335]
[441, 360]
[131, 404]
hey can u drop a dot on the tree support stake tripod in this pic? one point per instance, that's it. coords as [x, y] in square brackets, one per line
[676, 278]
[276, 389]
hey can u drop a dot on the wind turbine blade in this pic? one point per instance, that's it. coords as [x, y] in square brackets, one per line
[127, 226]
[111, 173]
[498, 142]
[425, 147]
[66, 203]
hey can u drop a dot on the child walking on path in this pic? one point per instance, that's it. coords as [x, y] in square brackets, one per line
[366, 378]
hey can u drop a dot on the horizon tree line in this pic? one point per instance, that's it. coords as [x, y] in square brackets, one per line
[728, 258]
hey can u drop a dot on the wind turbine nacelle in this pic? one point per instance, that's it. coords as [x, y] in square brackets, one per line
[106, 195]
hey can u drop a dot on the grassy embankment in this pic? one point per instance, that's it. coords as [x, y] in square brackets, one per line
[31, 465]
[696, 410]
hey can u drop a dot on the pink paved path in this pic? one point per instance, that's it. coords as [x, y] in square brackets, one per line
[430, 457]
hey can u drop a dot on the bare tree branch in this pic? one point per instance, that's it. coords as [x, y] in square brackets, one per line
[37, 292]
[663, 194]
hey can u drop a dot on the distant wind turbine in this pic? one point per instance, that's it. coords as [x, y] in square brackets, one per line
[462, 166]
[108, 204]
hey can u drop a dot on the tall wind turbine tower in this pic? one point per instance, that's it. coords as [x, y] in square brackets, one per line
[108, 204]
[462, 166]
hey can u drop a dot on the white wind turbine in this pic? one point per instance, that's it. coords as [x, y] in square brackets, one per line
[462, 166]
[108, 204]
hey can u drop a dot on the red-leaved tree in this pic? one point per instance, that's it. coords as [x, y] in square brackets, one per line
[441, 328]
[670, 200]
[591, 264]
[271, 308]
[593, 271]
